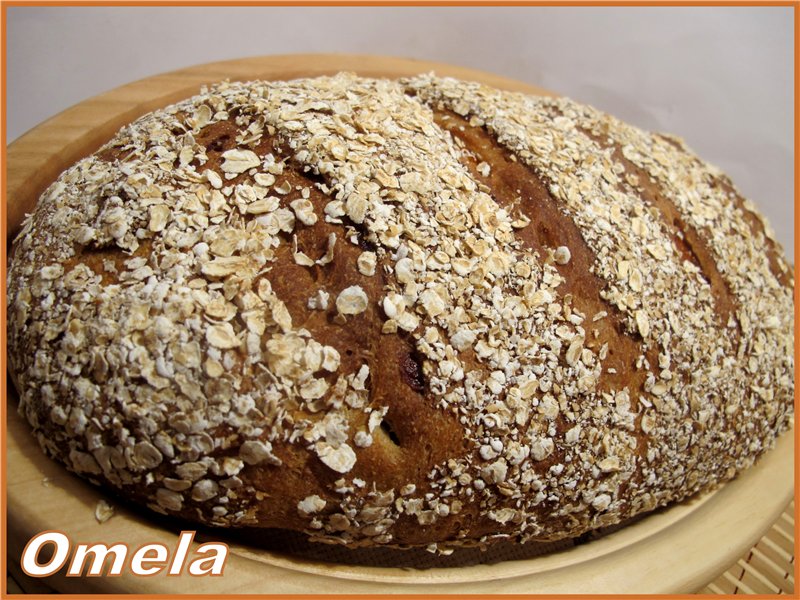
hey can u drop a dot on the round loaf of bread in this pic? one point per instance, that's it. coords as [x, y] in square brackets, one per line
[412, 312]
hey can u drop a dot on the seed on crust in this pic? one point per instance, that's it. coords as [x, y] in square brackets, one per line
[341, 459]
[222, 336]
[239, 161]
[352, 301]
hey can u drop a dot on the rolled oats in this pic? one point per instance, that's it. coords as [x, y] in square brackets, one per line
[352, 301]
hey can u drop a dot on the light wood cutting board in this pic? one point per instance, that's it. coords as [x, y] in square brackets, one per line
[675, 550]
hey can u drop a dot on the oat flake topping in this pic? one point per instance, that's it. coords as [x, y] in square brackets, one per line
[180, 305]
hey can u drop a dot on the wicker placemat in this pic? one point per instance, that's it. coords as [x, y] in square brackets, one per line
[768, 568]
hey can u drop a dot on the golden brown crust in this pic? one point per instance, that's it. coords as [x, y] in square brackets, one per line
[407, 313]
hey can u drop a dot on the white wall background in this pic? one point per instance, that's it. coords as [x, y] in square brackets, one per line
[720, 77]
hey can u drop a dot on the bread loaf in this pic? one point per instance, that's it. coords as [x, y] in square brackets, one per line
[411, 313]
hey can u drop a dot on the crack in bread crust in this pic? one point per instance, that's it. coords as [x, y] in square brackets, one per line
[516, 188]
[688, 241]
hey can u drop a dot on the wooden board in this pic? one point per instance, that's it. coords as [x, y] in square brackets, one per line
[675, 550]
